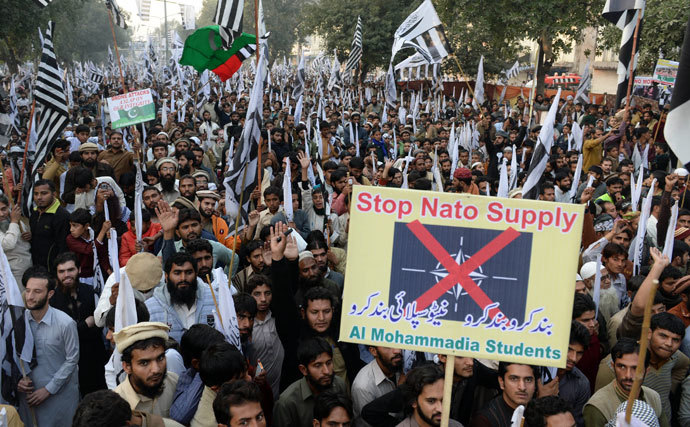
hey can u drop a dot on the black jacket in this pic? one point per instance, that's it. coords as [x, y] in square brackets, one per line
[101, 169]
[48, 234]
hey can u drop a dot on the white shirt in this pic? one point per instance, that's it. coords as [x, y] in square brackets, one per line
[369, 384]
[186, 315]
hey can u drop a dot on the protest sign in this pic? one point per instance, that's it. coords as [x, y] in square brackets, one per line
[131, 108]
[665, 71]
[464, 275]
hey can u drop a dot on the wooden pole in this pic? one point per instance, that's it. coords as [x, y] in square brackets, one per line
[632, 60]
[447, 389]
[462, 74]
[639, 372]
[117, 51]
[213, 294]
[533, 91]
[26, 151]
[256, 25]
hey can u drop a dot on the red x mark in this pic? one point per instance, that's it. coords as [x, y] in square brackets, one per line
[459, 273]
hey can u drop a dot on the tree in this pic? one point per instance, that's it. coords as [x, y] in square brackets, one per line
[663, 29]
[82, 31]
[335, 21]
[282, 19]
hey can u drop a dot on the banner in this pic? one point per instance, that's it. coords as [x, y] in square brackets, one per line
[665, 71]
[131, 108]
[458, 274]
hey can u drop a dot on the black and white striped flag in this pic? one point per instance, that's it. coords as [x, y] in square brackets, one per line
[356, 48]
[118, 19]
[677, 126]
[423, 31]
[335, 80]
[582, 94]
[390, 90]
[246, 156]
[16, 341]
[95, 76]
[228, 17]
[537, 166]
[301, 76]
[623, 14]
[50, 95]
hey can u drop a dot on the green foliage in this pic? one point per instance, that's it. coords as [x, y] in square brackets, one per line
[663, 29]
[82, 31]
[336, 21]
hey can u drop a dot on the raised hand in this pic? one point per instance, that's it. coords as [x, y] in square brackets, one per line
[291, 250]
[167, 216]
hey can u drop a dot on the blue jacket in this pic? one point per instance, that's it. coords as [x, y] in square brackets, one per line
[161, 310]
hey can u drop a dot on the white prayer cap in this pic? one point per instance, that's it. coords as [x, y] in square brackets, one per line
[681, 172]
[589, 269]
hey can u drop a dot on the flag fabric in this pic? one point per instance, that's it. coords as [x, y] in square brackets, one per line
[118, 19]
[188, 16]
[287, 191]
[138, 201]
[301, 76]
[95, 76]
[355, 48]
[530, 190]
[42, 3]
[677, 126]
[391, 94]
[623, 14]
[246, 155]
[479, 84]
[228, 17]
[50, 95]
[335, 81]
[512, 71]
[202, 51]
[144, 7]
[423, 31]
[17, 341]
[582, 94]
[225, 316]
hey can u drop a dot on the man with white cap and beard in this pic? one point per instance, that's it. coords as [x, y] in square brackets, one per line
[149, 386]
[167, 168]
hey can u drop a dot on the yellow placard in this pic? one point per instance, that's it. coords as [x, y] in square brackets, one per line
[459, 274]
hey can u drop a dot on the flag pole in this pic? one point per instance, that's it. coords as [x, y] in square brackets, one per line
[447, 388]
[644, 341]
[256, 25]
[632, 62]
[213, 294]
[533, 92]
[462, 74]
[31, 409]
[26, 150]
[117, 51]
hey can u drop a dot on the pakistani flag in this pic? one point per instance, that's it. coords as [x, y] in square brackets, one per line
[203, 50]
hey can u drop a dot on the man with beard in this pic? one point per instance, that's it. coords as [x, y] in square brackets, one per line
[202, 251]
[311, 275]
[185, 161]
[51, 390]
[518, 382]
[149, 386]
[253, 253]
[378, 377]
[319, 249]
[77, 300]
[187, 189]
[562, 189]
[150, 198]
[601, 407]
[122, 161]
[182, 302]
[295, 407]
[423, 391]
[167, 168]
[185, 224]
[213, 223]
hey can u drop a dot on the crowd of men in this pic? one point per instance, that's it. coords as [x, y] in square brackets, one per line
[175, 368]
